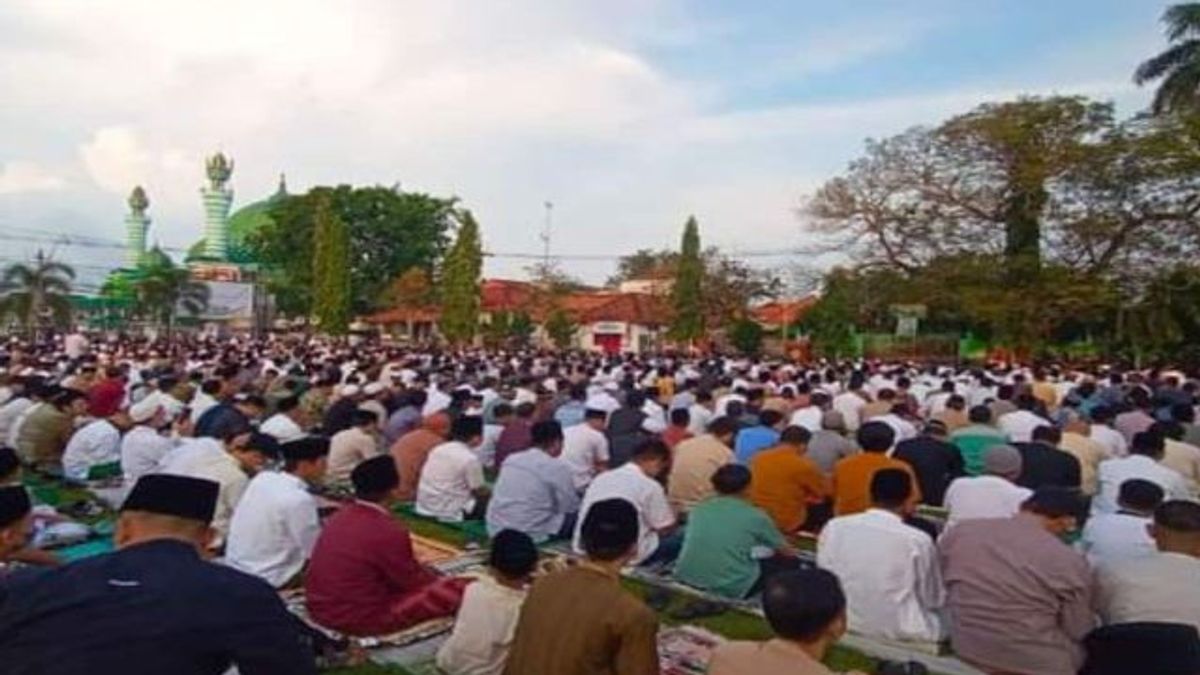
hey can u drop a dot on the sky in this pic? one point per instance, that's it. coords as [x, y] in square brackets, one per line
[627, 115]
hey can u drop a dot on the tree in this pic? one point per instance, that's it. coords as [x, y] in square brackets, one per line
[163, 288]
[331, 271]
[410, 289]
[37, 294]
[746, 335]
[980, 182]
[561, 328]
[687, 324]
[1178, 67]
[390, 231]
[645, 264]
[460, 282]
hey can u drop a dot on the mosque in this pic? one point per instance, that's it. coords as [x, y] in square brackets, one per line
[222, 258]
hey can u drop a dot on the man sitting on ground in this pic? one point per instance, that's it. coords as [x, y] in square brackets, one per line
[786, 482]
[451, 486]
[230, 461]
[1144, 461]
[535, 493]
[350, 447]
[412, 449]
[752, 440]
[974, 439]
[1019, 599]
[585, 448]
[806, 610]
[581, 621]
[935, 461]
[1126, 533]
[15, 508]
[491, 606]
[275, 525]
[890, 569]
[694, 461]
[723, 534]
[1160, 586]
[994, 494]
[96, 446]
[153, 606]
[637, 482]
[364, 578]
[852, 476]
[1042, 463]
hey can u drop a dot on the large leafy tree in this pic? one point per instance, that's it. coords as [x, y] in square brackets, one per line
[1177, 68]
[460, 282]
[687, 323]
[331, 271]
[390, 231]
[37, 294]
[164, 290]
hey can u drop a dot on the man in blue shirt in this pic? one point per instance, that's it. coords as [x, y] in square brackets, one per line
[155, 605]
[760, 437]
[535, 492]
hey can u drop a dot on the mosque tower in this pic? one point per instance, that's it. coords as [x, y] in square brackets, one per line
[217, 200]
[136, 225]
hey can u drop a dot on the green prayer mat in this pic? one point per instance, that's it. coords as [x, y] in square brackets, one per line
[86, 549]
[462, 533]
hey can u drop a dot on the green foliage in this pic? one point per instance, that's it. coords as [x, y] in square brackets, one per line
[687, 324]
[460, 282]
[561, 328]
[746, 336]
[389, 232]
[1178, 66]
[830, 323]
[331, 271]
[37, 294]
[508, 329]
[163, 288]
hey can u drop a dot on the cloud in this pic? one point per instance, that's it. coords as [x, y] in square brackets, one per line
[18, 176]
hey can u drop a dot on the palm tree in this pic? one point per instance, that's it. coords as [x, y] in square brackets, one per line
[163, 288]
[37, 294]
[1179, 65]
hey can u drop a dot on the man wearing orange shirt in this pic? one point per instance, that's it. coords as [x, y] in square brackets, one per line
[852, 475]
[786, 482]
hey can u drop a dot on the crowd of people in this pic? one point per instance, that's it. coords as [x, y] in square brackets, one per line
[1040, 519]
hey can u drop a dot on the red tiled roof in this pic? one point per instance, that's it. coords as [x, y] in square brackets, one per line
[405, 314]
[779, 312]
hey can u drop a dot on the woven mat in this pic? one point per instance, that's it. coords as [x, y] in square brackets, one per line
[686, 650]
[431, 551]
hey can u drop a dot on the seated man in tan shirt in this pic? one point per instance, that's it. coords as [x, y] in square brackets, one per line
[807, 612]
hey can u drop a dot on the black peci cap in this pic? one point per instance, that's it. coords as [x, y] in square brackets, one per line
[179, 496]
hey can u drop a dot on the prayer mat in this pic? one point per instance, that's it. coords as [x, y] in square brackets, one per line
[474, 530]
[686, 650]
[296, 603]
[430, 551]
[87, 549]
[659, 579]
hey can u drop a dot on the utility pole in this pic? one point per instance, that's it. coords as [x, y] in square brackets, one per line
[545, 237]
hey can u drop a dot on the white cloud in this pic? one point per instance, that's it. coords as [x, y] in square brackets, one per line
[18, 176]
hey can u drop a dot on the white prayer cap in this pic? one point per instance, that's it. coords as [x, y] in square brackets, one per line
[350, 390]
[611, 386]
[144, 410]
[550, 384]
[373, 389]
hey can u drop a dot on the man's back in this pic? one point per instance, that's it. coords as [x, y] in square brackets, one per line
[1163, 587]
[1019, 600]
[784, 483]
[274, 528]
[581, 622]
[151, 608]
[852, 481]
[1045, 465]
[410, 453]
[692, 468]
[972, 441]
[935, 462]
[827, 447]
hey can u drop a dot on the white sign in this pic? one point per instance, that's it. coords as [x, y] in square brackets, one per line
[608, 327]
[228, 300]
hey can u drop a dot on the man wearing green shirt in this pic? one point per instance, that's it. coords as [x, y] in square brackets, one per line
[975, 439]
[724, 532]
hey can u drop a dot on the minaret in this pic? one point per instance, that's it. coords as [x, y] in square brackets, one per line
[217, 200]
[136, 225]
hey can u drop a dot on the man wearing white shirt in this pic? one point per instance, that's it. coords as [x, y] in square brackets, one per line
[635, 482]
[993, 494]
[585, 448]
[451, 486]
[810, 415]
[229, 462]
[144, 447]
[904, 429]
[205, 398]
[850, 403]
[1160, 586]
[1146, 452]
[888, 569]
[96, 444]
[275, 525]
[17, 404]
[700, 413]
[1019, 425]
[286, 424]
[1126, 533]
[1102, 432]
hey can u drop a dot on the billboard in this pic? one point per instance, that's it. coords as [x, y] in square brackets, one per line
[229, 301]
